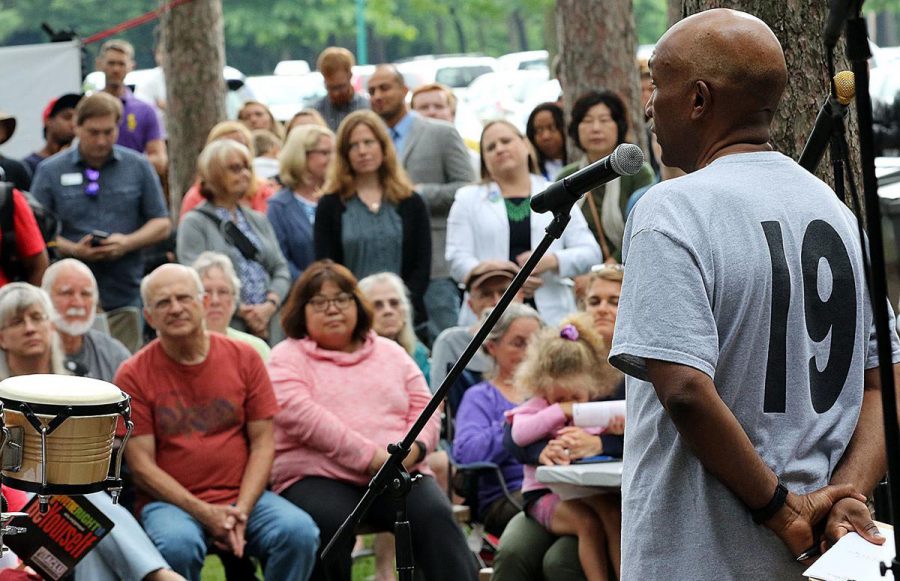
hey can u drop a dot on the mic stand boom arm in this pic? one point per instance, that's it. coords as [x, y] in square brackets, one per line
[392, 474]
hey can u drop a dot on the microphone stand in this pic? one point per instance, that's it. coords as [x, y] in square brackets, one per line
[858, 53]
[393, 475]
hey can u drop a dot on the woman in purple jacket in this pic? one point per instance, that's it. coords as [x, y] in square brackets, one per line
[480, 419]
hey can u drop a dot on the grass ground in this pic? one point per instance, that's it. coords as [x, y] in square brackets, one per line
[363, 569]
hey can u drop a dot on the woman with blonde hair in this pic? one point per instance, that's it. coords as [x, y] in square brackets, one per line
[371, 220]
[256, 115]
[304, 162]
[259, 192]
[308, 116]
[222, 224]
[493, 221]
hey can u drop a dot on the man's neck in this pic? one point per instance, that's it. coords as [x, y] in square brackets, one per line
[94, 163]
[71, 343]
[115, 90]
[392, 122]
[190, 350]
[51, 147]
[28, 365]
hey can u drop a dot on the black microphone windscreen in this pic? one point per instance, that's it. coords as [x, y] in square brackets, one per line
[627, 159]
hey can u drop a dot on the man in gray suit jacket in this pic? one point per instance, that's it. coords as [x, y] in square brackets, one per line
[437, 161]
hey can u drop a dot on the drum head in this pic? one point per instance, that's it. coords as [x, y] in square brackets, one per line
[63, 390]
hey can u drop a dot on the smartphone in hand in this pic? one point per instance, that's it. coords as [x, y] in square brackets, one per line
[596, 459]
[98, 236]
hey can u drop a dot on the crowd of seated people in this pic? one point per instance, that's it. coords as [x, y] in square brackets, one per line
[303, 319]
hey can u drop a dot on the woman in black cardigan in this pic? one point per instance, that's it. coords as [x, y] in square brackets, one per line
[371, 220]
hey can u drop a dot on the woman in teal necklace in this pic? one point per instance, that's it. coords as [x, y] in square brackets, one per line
[493, 221]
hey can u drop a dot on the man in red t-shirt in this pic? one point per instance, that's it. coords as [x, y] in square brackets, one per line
[203, 441]
[30, 246]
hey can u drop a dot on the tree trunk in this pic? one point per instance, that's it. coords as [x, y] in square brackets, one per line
[460, 33]
[518, 36]
[798, 26]
[597, 47]
[193, 58]
[439, 35]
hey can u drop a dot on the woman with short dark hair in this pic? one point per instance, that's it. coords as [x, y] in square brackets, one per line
[599, 125]
[344, 394]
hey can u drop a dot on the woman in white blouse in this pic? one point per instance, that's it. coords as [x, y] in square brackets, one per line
[493, 220]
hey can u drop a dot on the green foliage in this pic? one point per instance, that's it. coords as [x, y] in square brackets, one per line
[650, 20]
[872, 6]
[258, 35]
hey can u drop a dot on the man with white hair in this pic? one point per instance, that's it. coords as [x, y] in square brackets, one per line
[203, 441]
[73, 290]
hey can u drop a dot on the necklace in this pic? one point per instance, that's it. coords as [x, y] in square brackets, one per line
[517, 212]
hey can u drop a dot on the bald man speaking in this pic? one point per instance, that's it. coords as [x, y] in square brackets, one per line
[754, 416]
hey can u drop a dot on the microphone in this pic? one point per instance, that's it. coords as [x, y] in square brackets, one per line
[825, 121]
[625, 160]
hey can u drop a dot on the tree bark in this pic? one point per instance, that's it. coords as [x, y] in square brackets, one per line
[597, 48]
[193, 58]
[798, 24]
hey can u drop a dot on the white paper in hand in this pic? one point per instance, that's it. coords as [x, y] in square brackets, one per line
[854, 558]
[597, 414]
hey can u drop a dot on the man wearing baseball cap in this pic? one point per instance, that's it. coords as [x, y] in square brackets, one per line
[59, 128]
[12, 170]
[485, 285]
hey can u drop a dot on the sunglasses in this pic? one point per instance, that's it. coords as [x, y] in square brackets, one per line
[92, 186]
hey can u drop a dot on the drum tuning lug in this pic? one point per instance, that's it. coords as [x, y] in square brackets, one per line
[43, 503]
[114, 493]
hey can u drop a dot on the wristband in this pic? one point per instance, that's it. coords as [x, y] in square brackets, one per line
[761, 515]
[423, 451]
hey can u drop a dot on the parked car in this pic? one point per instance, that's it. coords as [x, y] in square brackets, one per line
[502, 95]
[292, 67]
[524, 61]
[457, 72]
[284, 95]
[238, 92]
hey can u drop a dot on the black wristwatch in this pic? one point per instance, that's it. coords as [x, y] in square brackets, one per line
[423, 450]
[761, 515]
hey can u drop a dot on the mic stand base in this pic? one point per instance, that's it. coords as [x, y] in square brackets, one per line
[393, 475]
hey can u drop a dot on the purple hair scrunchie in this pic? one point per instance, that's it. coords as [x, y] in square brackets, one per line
[569, 332]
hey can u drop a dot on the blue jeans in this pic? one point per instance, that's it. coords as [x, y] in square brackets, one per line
[278, 533]
[442, 303]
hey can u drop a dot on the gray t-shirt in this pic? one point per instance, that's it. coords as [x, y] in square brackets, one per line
[749, 270]
[447, 348]
[101, 355]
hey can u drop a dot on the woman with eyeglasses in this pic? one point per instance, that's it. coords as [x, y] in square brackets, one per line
[260, 191]
[345, 393]
[600, 124]
[222, 288]
[493, 221]
[371, 220]
[392, 319]
[304, 161]
[222, 224]
[30, 345]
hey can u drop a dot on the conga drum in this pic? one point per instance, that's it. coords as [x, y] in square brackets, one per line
[61, 432]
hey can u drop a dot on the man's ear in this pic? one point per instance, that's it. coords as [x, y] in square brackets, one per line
[701, 99]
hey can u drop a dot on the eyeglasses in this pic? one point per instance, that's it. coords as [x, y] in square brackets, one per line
[320, 303]
[325, 152]
[33, 318]
[92, 187]
[393, 303]
[237, 167]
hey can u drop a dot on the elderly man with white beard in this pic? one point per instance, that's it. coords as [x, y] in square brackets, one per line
[73, 290]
